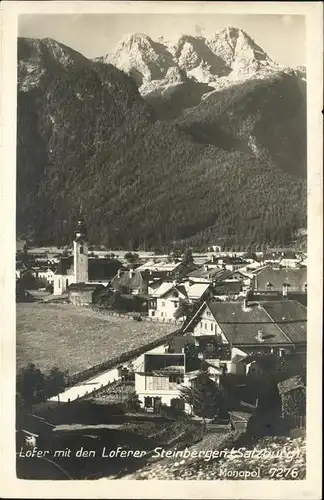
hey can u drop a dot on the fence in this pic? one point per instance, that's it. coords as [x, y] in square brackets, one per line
[111, 363]
[135, 316]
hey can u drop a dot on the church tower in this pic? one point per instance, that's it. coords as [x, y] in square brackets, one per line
[80, 253]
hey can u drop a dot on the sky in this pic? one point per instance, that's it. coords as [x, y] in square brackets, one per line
[282, 37]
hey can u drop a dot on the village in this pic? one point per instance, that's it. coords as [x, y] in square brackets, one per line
[216, 338]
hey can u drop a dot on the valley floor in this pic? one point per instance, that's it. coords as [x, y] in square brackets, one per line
[75, 338]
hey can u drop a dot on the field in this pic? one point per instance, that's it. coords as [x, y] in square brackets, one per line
[74, 338]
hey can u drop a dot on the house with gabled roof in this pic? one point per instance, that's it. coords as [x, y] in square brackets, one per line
[162, 372]
[131, 281]
[276, 326]
[166, 268]
[167, 298]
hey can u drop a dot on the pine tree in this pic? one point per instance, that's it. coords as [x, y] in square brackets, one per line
[204, 397]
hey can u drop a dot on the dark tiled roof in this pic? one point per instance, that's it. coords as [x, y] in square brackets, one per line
[290, 384]
[102, 269]
[291, 316]
[215, 274]
[241, 326]
[64, 265]
[228, 287]
[178, 342]
[296, 278]
[132, 282]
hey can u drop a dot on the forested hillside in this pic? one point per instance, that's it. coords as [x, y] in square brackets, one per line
[230, 169]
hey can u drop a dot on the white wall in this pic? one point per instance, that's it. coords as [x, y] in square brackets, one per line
[80, 262]
[62, 282]
[208, 326]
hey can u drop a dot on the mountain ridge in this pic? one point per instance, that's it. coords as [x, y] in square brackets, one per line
[86, 136]
[229, 52]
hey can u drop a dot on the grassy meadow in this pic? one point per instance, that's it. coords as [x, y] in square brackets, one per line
[76, 338]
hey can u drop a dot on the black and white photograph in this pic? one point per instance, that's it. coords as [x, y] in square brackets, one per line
[162, 248]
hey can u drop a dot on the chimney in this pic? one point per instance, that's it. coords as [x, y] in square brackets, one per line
[213, 258]
[284, 290]
[259, 337]
[119, 273]
[206, 267]
[245, 303]
[131, 273]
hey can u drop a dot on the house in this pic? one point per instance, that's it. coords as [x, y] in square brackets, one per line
[228, 288]
[81, 294]
[160, 374]
[132, 281]
[282, 280]
[46, 274]
[168, 297]
[290, 260]
[224, 282]
[158, 378]
[281, 257]
[208, 274]
[164, 268]
[231, 263]
[248, 327]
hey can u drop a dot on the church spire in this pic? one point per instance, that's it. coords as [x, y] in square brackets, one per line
[81, 230]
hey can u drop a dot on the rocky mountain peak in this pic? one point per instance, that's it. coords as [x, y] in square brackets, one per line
[238, 51]
[230, 54]
[142, 58]
[37, 58]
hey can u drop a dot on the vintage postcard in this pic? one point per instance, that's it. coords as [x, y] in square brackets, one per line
[161, 239]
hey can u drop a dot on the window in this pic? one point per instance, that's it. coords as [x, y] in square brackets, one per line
[176, 379]
[205, 326]
[148, 402]
[176, 304]
[211, 326]
[157, 383]
[66, 283]
[81, 250]
[201, 324]
[207, 313]
[162, 314]
[153, 313]
[59, 283]
[163, 304]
